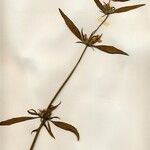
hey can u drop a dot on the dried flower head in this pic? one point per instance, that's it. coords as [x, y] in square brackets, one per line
[107, 9]
[90, 40]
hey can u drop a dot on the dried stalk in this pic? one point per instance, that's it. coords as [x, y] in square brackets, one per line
[65, 82]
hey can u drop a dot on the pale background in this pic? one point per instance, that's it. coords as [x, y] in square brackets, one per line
[107, 98]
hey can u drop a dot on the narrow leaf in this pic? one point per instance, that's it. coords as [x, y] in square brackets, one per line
[54, 107]
[48, 128]
[67, 127]
[34, 131]
[70, 25]
[55, 117]
[15, 120]
[128, 8]
[99, 5]
[110, 49]
[32, 112]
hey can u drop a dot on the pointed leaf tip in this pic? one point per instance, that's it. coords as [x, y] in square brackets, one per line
[99, 5]
[70, 25]
[55, 107]
[15, 120]
[67, 127]
[110, 49]
[128, 8]
[48, 128]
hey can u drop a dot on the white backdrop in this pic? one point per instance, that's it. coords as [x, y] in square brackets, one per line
[107, 98]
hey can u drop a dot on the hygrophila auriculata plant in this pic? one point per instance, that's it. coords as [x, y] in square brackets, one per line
[92, 41]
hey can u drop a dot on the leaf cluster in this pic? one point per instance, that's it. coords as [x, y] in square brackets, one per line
[107, 9]
[46, 118]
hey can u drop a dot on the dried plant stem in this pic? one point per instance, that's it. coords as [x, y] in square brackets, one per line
[73, 70]
[99, 26]
[36, 136]
[67, 79]
[65, 82]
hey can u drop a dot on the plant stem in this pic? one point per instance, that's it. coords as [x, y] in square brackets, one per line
[99, 26]
[73, 70]
[65, 82]
[37, 134]
[69, 76]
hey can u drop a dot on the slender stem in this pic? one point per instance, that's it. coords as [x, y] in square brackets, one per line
[37, 134]
[65, 82]
[99, 26]
[67, 79]
[69, 76]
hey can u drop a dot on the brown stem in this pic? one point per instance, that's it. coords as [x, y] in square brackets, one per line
[99, 26]
[64, 83]
[69, 76]
[67, 79]
[36, 136]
